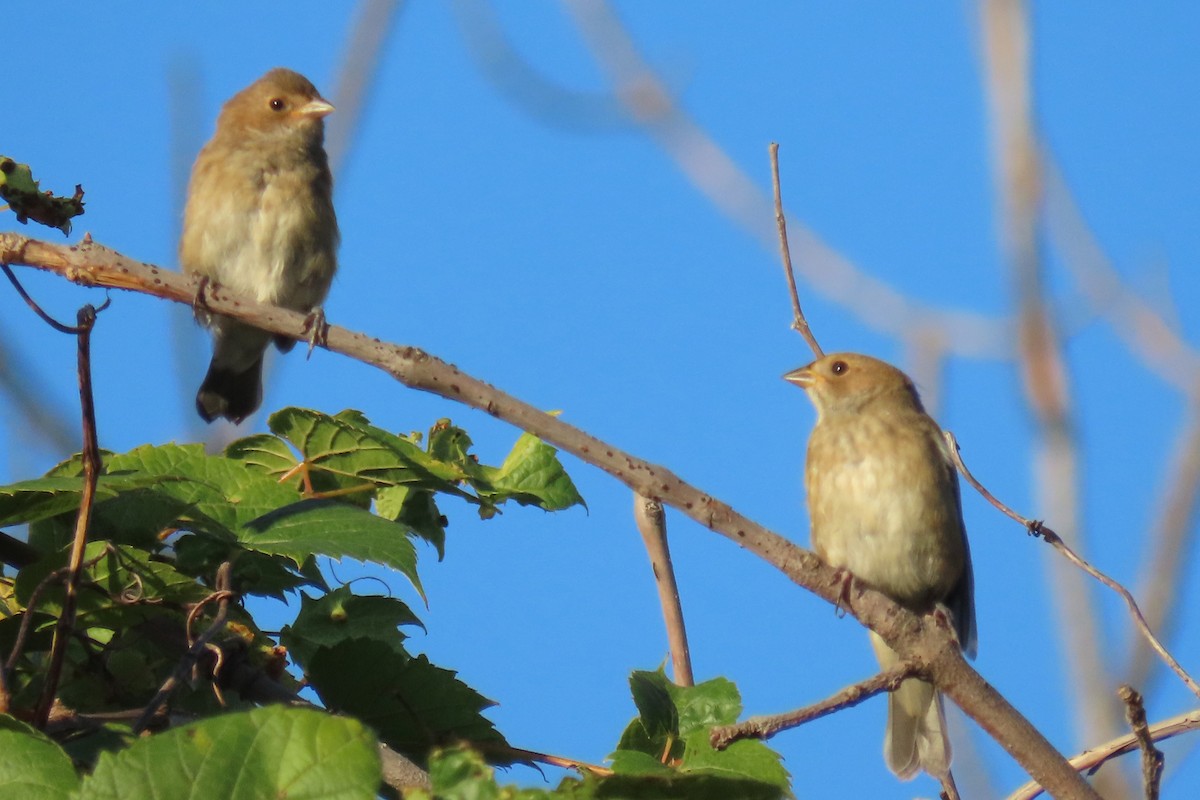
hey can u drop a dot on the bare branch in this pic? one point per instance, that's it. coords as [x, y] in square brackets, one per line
[652, 524]
[1036, 528]
[1091, 760]
[932, 645]
[90, 456]
[799, 323]
[1170, 544]
[1152, 757]
[765, 727]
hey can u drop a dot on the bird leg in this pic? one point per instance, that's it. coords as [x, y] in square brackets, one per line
[317, 329]
[844, 578]
[200, 307]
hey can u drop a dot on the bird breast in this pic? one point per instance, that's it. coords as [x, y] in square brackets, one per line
[883, 503]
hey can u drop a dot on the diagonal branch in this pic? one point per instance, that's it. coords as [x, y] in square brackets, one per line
[927, 642]
[767, 726]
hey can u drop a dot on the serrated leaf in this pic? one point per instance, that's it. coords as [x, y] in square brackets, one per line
[223, 494]
[333, 529]
[532, 475]
[32, 767]
[342, 615]
[268, 752]
[348, 448]
[744, 759]
[414, 705]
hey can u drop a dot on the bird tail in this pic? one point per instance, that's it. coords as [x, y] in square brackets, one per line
[228, 393]
[916, 730]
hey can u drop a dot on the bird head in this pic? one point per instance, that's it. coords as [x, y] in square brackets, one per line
[281, 103]
[851, 383]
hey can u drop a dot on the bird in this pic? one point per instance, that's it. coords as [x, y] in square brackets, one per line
[260, 222]
[884, 504]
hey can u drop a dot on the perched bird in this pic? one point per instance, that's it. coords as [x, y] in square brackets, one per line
[883, 503]
[260, 222]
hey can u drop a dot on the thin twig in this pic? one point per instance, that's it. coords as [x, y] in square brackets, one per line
[1170, 546]
[1090, 760]
[222, 596]
[1037, 528]
[1152, 757]
[767, 726]
[85, 319]
[799, 322]
[651, 523]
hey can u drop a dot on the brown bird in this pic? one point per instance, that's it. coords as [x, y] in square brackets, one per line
[260, 222]
[883, 503]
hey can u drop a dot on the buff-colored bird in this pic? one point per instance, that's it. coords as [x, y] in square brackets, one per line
[260, 221]
[883, 503]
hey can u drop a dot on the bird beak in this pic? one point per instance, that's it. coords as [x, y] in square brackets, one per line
[802, 377]
[315, 108]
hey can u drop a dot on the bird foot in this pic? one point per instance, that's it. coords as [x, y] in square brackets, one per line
[845, 578]
[317, 329]
[200, 306]
[943, 619]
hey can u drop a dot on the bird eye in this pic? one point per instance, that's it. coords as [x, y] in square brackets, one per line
[840, 367]
[277, 104]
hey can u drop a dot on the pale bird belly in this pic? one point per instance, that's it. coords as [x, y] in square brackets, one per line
[887, 527]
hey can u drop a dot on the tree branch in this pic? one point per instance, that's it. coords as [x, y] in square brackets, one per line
[930, 645]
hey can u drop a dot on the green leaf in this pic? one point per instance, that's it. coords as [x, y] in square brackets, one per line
[348, 450]
[413, 705]
[342, 615]
[655, 705]
[269, 752]
[32, 767]
[416, 510]
[676, 721]
[333, 529]
[700, 707]
[264, 452]
[223, 494]
[742, 760]
[27, 501]
[533, 475]
[29, 202]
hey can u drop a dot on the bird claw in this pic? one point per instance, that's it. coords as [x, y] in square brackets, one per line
[200, 306]
[317, 329]
[845, 578]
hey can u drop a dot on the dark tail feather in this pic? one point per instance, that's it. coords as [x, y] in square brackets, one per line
[233, 395]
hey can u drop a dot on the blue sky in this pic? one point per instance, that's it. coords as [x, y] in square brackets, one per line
[559, 252]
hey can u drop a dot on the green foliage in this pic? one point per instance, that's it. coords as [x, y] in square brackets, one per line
[32, 766]
[268, 752]
[166, 519]
[29, 202]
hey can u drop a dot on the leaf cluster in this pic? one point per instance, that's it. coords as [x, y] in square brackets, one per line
[29, 202]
